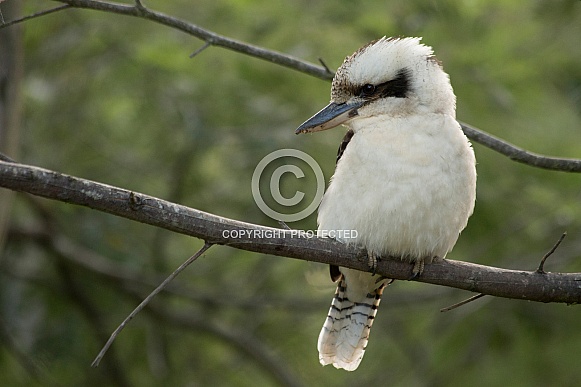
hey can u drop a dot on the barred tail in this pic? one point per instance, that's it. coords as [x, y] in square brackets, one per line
[344, 336]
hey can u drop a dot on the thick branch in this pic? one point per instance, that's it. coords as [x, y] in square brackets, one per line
[527, 285]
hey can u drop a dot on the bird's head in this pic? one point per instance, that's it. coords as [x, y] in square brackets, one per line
[394, 77]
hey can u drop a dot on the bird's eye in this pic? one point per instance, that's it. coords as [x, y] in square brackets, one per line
[367, 90]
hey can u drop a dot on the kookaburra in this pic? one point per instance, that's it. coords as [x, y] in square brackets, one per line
[405, 178]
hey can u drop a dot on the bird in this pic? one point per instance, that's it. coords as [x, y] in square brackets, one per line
[404, 181]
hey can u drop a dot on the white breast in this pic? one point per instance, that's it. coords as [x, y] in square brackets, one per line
[405, 185]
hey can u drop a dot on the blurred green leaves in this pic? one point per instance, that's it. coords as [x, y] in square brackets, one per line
[117, 100]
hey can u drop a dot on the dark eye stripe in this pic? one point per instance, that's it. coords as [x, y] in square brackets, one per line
[397, 87]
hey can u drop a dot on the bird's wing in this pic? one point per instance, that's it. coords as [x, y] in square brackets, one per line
[334, 270]
[344, 144]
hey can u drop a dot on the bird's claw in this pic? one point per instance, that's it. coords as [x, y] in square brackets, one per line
[417, 269]
[372, 261]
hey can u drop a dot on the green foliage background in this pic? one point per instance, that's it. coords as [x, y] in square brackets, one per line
[117, 100]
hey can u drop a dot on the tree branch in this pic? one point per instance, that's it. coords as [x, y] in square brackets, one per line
[4, 24]
[146, 301]
[518, 154]
[322, 72]
[526, 285]
[207, 36]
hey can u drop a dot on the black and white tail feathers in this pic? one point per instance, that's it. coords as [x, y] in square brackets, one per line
[344, 336]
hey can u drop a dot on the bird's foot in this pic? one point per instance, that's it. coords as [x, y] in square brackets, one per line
[418, 269]
[372, 261]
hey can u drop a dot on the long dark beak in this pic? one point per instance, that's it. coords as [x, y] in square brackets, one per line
[332, 115]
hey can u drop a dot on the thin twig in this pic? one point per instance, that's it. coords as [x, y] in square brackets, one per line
[284, 225]
[541, 268]
[97, 360]
[448, 308]
[206, 45]
[322, 62]
[3, 157]
[34, 15]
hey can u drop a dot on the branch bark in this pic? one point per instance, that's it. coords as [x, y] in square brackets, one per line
[517, 284]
